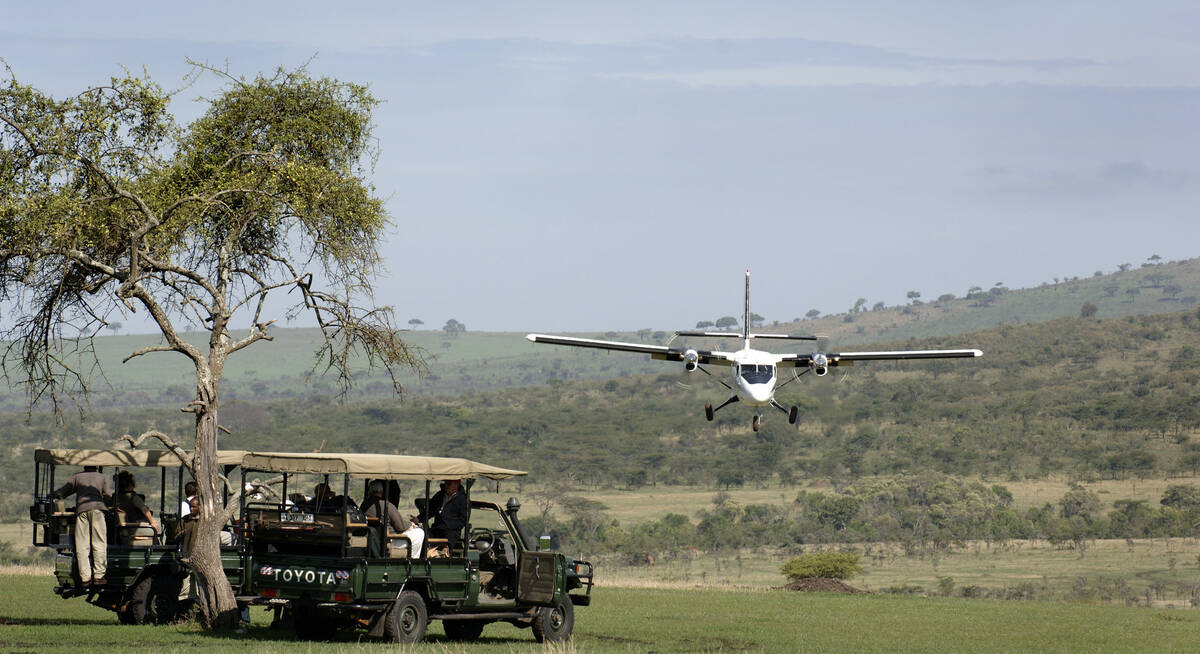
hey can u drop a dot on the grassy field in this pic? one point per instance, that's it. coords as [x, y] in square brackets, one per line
[664, 620]
[652, 502]
[1114, 571]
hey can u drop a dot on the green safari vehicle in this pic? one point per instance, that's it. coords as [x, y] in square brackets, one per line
[146, 573]
[333, 569]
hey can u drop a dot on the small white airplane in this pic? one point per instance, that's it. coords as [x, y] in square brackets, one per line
[754, 371]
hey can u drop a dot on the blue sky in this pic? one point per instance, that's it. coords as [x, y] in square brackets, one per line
[563, 166]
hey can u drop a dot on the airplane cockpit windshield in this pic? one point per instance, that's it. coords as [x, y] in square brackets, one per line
[757, 374]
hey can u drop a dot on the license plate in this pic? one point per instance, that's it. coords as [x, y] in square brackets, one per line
[300, 518]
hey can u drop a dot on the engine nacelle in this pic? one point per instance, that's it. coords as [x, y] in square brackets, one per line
[820, 364]
[691, 359]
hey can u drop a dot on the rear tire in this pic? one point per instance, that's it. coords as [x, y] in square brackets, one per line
[708, 412]
[553, 624]
[463, 629]
[154, 600]
[793, 415]
[136, 610]
[407, 619]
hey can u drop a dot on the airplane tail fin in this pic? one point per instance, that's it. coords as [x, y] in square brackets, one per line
[746, 315]
[745, 334]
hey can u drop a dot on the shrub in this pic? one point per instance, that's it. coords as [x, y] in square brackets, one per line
[830, 565]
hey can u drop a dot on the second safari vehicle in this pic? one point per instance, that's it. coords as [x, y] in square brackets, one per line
[335, 569]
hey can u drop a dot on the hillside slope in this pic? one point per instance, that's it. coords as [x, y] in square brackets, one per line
[1090, 397]
[474, 362]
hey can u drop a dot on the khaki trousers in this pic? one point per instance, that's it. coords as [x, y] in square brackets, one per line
[91, 544]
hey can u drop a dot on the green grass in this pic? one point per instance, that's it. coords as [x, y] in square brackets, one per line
[1107, 570]
[665, 620]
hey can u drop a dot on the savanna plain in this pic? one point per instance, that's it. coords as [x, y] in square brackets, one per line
[1038, 499]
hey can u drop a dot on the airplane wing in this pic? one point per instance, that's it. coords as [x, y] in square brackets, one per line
[847, 358]
[655, 351]
[792, 337]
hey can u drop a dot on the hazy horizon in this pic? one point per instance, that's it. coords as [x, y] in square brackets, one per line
[555, 167]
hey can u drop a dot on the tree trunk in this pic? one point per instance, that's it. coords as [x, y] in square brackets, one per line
[218, 608]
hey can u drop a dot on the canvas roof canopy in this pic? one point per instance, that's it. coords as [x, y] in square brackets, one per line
[375, 466]
[126, 458]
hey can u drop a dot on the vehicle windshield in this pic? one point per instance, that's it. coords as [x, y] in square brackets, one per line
[757, 374]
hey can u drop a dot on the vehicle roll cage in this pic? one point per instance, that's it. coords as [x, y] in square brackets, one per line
[47, 460]
[369, 468]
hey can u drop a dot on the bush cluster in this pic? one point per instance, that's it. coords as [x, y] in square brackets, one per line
[828, 565]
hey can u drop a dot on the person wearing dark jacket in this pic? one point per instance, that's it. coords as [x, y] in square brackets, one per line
[91, 491]
[450, 511]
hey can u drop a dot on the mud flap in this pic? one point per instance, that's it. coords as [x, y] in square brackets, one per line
[376, 624]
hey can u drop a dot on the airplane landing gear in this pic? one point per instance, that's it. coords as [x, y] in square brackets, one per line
[793, 415]
[709, 410]
[754, 424]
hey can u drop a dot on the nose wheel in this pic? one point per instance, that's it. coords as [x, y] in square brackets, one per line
[754, 423]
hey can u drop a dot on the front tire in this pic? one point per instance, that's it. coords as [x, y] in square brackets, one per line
[754, 424]
[407, 619]
[553, 624]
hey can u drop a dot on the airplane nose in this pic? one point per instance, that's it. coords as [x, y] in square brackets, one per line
[761, 393]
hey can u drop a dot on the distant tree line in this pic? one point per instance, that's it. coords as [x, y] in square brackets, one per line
[917, 511]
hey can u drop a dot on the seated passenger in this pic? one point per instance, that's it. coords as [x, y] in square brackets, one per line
[131, 507]
[324, 499]
[450, 511]
[391, 523]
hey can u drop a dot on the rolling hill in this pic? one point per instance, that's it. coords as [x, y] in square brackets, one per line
[474, 362]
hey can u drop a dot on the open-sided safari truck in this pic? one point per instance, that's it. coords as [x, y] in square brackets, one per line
[145, 575]
[321, 562]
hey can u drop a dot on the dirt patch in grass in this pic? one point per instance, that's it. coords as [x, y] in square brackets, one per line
[822, 585]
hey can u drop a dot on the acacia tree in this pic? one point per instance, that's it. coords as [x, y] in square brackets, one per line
[108, 207]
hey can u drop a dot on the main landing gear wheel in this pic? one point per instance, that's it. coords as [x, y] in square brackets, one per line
[793, 415]
[754, 424]
[708, 412]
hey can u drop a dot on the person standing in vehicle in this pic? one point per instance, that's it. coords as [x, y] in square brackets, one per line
[450, 511]
[91, 491]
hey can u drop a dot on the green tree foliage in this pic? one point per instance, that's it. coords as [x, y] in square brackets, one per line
[1181, 496]
[453, 328]
[107, 206]
[726, 322]
[827, 565]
